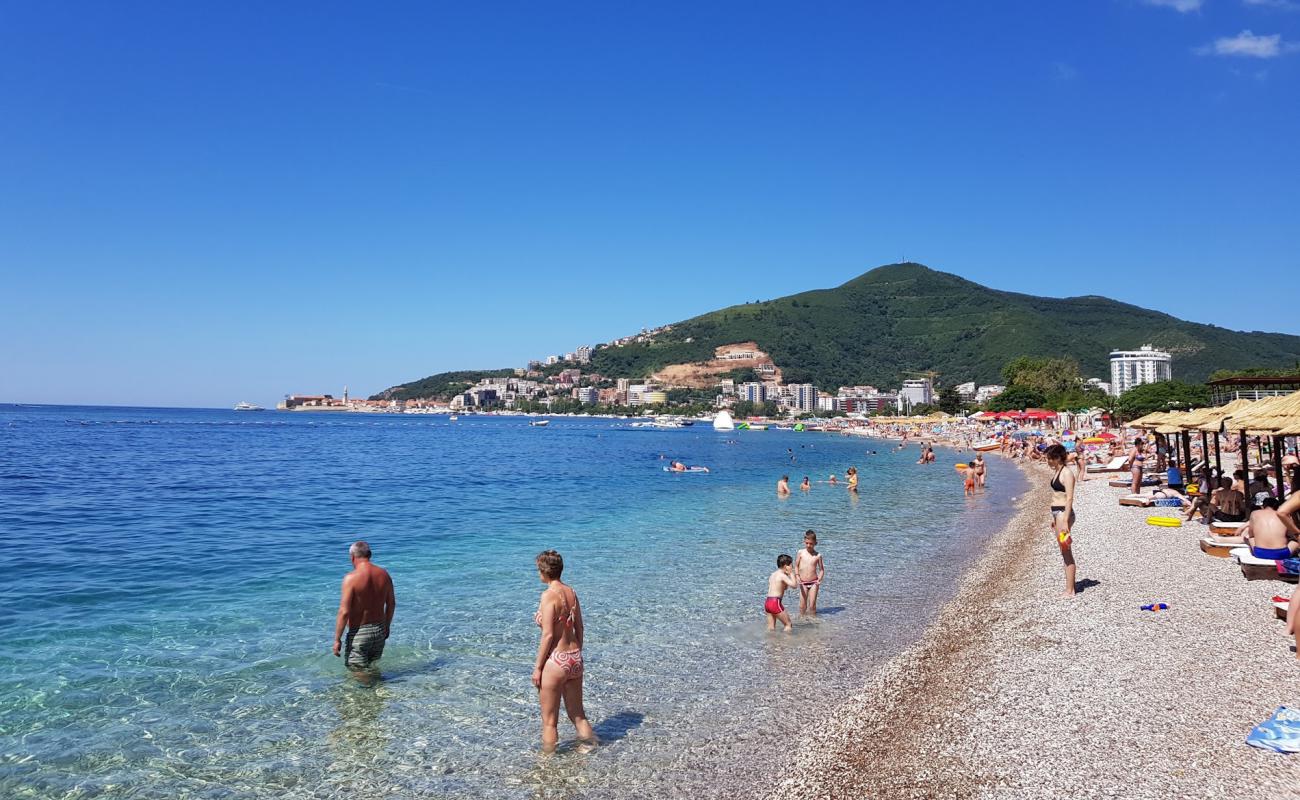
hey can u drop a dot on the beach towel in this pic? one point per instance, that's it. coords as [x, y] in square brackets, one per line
[1280, 733]
[1290, 566]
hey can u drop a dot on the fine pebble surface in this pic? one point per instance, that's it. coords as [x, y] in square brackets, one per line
[1019, 692]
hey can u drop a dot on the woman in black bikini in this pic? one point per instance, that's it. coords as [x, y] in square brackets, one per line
[557, 672]
[1063, 510]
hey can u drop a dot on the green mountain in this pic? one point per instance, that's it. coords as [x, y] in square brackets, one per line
[903, 317]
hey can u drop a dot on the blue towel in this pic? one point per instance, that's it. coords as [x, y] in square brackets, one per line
[1280, 733]
[1291, 566]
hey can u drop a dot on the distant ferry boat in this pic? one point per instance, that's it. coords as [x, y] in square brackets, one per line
[540, 423]
[246, 406]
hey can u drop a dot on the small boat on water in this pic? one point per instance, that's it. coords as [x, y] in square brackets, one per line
[986, 445]
[540, 423]
[247, 406]
[452, 418]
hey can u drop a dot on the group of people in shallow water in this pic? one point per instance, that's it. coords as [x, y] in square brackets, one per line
[850, 481]
[806, 571]
[368, 602]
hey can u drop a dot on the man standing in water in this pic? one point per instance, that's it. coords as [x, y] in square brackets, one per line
[365, 609]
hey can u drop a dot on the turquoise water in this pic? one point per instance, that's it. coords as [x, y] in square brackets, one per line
[174, 576]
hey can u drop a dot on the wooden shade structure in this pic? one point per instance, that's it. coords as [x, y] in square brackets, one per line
[1270, 416]
[1210, 419]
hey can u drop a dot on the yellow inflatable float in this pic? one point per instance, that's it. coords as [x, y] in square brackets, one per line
[1165, 522]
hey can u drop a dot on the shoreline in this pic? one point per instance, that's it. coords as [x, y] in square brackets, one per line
[1015, 691]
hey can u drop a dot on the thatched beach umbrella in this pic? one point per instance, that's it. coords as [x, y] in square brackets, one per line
[1212, 421]
[1270, 417]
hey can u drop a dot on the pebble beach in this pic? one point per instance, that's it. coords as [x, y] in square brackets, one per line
[1016, 691]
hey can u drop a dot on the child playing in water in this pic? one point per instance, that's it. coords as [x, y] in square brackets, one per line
[969, 474]
[810, 569]
[777, 583]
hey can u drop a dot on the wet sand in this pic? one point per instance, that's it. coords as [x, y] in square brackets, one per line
[1017, 692]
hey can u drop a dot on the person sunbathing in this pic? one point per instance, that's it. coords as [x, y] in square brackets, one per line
[1228, 504]
[1269, 534]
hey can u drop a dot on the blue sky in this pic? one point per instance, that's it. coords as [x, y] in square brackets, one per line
[204, 203]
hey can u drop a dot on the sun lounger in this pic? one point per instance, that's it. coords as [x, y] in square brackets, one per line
[1226, 528]
[1280, 608]
[1220, 546]
[1137, 500]
[1260, 569]
[1114, 465]
[1149, 480]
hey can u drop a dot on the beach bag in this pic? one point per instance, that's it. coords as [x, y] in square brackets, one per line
[1281, 733]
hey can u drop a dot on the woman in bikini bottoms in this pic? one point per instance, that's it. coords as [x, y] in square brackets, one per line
[557, 673]
[1063, 511]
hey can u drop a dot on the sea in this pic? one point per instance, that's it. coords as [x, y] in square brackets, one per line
[173, 577]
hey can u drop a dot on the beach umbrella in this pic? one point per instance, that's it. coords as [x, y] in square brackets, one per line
[1270, 415]
[1106, 436]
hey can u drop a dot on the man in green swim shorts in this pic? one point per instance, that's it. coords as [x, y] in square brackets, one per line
[365, 610]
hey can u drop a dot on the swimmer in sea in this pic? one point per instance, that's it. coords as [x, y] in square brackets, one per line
[853, 479]
[677, 466]
[783, 486]
[777, 583]
[833, 481]
[806, 485]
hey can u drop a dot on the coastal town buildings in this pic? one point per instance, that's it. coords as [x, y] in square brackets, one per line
[966, 391]
[915, 392]
[804, 396]
[1098, 383]
[1129, 368]
[752, 392]
[986, 393]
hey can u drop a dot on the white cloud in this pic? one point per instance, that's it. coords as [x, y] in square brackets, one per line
[1181, 6]
[1063, 71]
[1249, 45]
[1285, 5]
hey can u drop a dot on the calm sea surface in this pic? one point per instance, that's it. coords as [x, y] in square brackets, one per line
[173, 575]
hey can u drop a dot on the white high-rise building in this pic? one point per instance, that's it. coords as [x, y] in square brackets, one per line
[583, 354]
[752, 392]
[915, 392]
[804, 396]
[1129, 368]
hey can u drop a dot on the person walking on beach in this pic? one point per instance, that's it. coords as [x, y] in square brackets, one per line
[557, 672]
[365, 610]
[1063, 511]
[1135, 458]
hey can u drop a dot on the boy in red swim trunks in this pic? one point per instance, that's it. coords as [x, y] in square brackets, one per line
[777, 583]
